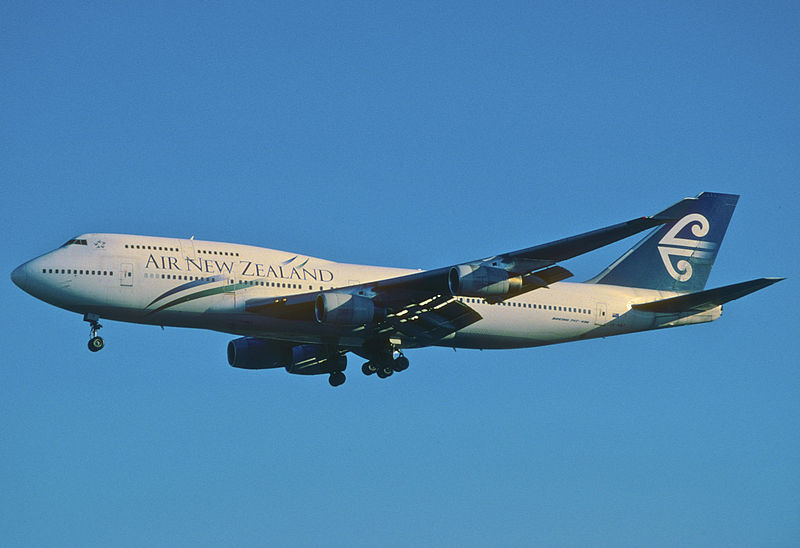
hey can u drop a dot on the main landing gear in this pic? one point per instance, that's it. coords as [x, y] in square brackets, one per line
[385, 366]
[95, 342]
[337, 364]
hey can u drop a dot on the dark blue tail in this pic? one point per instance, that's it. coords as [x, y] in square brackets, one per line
[676, 256]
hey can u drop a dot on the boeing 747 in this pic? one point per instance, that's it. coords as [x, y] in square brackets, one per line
[306, 314]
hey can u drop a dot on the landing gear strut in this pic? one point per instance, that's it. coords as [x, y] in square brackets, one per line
[95, 342]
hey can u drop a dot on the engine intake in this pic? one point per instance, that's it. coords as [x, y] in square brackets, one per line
[482, 281]
[251, 353]
[343, 309]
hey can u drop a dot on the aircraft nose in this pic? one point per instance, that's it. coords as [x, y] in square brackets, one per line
[20, 276]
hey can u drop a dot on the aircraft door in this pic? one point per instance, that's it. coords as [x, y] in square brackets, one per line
[229, 293]
[126, 274]
[187, 247]
[600, 313]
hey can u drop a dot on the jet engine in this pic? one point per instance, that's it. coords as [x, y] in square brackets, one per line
[252, 353]
[482, 281]
[343, 309]
[301, 359]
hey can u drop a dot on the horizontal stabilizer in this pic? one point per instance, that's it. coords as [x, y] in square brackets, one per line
[706, 300]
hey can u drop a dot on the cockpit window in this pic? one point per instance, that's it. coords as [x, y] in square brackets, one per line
[74, 241]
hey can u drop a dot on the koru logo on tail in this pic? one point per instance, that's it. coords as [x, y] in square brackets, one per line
[672, 246]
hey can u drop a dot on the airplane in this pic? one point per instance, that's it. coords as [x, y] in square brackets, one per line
[305, 314]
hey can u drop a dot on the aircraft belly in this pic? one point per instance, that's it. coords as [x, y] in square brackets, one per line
[519, 329]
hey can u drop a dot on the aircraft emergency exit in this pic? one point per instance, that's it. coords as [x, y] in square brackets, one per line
[306, 314]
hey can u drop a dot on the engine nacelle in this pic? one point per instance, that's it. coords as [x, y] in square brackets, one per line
[301, 359]
[343, 309]
[482, 281]
[251, 353]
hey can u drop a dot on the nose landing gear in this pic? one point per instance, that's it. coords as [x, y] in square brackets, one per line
[96, 342]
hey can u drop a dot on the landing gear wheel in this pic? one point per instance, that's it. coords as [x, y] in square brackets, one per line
[368, 368]
[385, 372]
[400, 364]
[337, 378]
[96, 344]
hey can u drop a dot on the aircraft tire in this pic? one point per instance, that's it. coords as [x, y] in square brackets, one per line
[337, 378]
[400, 364]
[96, 344]
[368, 368]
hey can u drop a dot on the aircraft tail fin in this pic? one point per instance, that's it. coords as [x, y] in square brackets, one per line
[678, 255]
[706, 300]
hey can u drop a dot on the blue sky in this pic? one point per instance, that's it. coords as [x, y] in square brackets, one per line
[415, 136]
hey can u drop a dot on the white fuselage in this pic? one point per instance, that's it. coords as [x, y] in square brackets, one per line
[201, 284]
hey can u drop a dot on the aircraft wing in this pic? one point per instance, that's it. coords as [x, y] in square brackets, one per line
[422, 320]
[524, 262]
[422, 306]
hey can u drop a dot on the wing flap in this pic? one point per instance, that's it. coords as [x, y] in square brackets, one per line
[433, 320]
